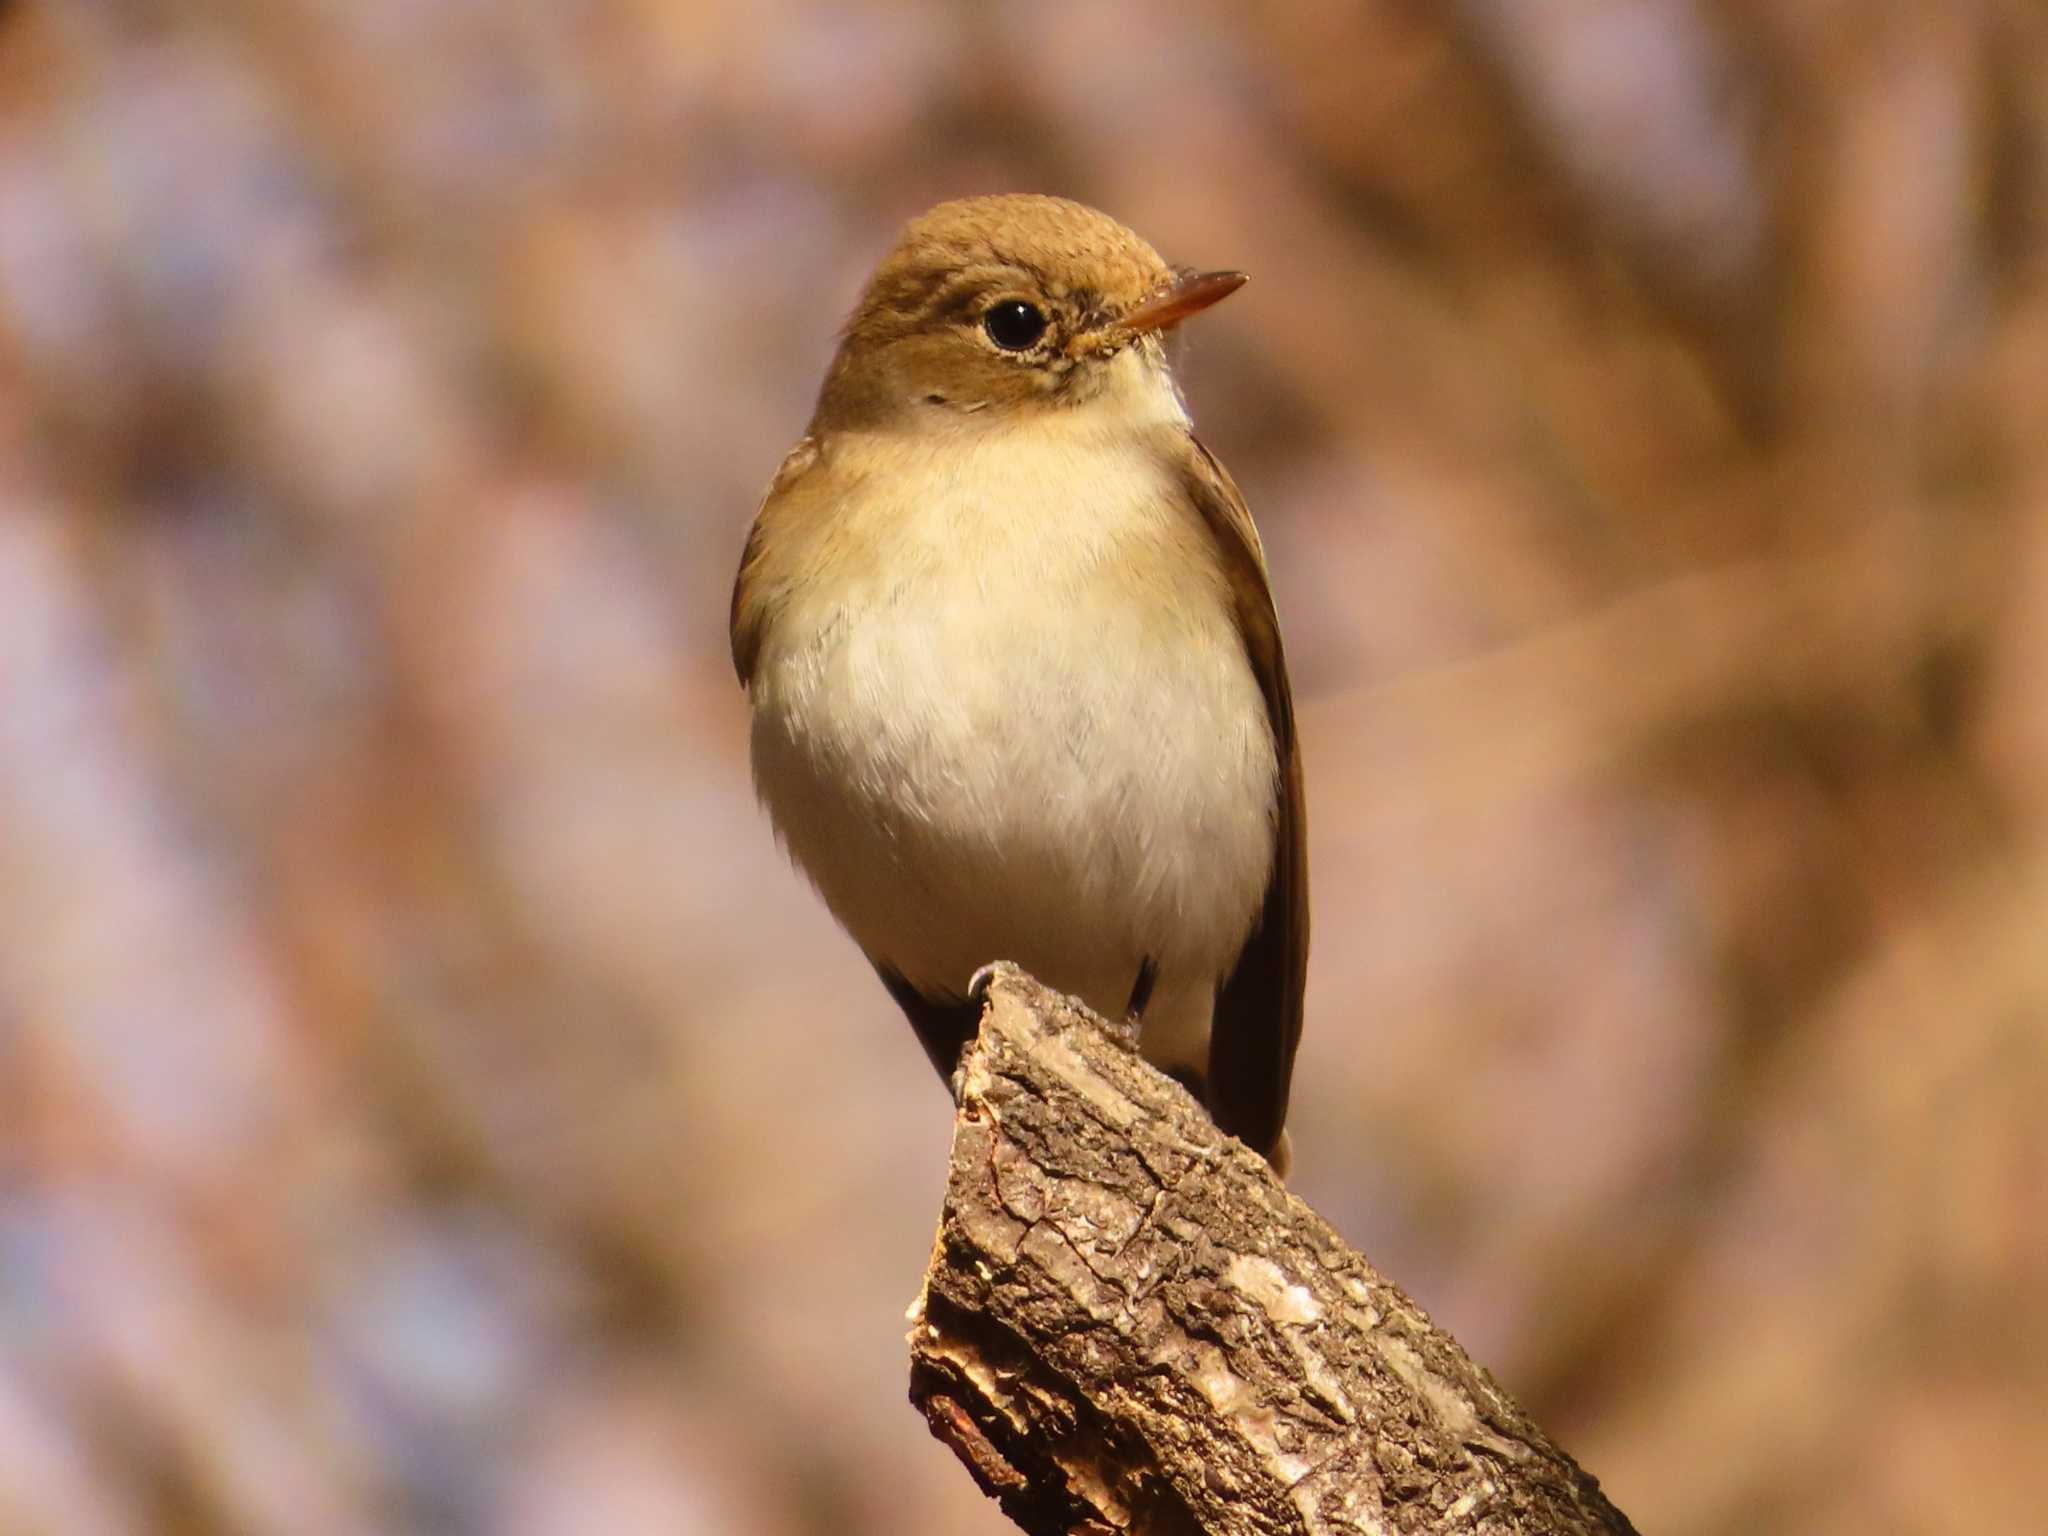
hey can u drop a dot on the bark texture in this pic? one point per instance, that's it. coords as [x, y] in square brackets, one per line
[1130, 1325]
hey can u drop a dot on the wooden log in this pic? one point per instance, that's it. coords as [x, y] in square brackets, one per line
[1129, 1324]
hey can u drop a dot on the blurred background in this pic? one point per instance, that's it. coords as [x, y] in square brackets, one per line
[429, 1102]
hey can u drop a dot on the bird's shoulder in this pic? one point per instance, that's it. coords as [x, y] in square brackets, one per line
[797, 493]
[1216, 500]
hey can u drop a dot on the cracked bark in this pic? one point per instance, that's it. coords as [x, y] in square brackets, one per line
[1128, 1324]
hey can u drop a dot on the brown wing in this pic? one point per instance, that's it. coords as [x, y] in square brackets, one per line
[1258, 1007]
[755, 591]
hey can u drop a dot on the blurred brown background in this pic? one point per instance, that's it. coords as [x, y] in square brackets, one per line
[429, 1103]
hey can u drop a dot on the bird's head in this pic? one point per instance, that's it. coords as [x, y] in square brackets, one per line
[997, 306]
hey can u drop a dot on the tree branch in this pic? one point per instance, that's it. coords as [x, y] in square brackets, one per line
[1130, 1325]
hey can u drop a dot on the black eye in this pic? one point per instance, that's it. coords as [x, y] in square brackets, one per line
[1014, 325]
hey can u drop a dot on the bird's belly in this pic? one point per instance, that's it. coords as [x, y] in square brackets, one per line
[1047, 767]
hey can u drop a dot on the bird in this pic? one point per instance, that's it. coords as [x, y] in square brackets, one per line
[1014, 670]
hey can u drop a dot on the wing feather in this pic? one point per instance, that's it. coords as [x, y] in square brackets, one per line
[1259, 1004]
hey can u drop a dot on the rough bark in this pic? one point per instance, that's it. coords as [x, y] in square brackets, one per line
[1130, 1325]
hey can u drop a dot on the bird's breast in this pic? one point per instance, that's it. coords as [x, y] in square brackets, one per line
[1007, 713]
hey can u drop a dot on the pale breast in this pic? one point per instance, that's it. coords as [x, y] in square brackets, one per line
[1017, 721]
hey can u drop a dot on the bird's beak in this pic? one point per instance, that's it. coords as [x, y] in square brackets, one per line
[1185, 296]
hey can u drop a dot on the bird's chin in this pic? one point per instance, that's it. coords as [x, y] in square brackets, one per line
[1132, 385]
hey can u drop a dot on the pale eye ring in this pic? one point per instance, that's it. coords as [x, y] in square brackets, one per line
[1015, 325]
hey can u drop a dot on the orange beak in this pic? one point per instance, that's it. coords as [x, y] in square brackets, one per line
[1185, 296]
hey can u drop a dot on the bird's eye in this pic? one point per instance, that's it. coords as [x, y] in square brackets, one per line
[1014, 325]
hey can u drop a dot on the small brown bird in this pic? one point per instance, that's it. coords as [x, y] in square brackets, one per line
[1017, 683]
